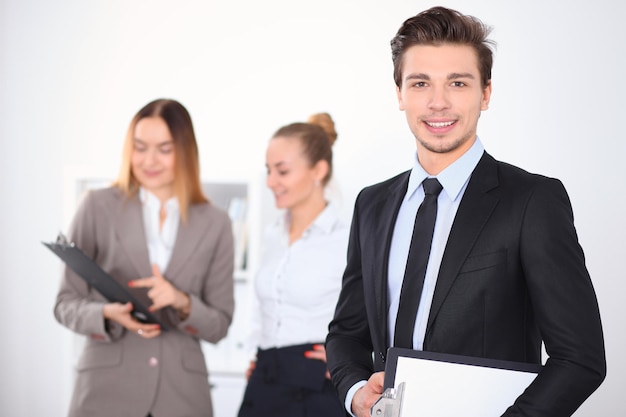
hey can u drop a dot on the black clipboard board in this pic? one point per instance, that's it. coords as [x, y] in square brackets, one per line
[96, 277]
[439, 384]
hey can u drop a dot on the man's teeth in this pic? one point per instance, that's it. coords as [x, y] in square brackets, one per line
[439, 124]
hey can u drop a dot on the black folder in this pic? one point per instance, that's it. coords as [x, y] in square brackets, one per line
[104, 283]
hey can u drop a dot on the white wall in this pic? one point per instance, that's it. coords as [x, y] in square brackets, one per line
[72, 73]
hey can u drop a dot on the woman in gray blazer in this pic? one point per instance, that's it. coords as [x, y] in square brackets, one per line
[156, 233]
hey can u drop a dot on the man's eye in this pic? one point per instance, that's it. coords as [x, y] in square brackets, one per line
[420, 84]
[458, 84]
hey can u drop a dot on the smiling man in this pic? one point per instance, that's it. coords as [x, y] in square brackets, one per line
[496, 271]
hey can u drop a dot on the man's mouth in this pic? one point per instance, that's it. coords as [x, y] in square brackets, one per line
[439, 125]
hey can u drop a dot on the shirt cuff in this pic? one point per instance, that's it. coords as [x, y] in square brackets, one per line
[350, 396]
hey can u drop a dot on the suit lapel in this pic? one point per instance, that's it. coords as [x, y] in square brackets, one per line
[129, 230]
[187, 240]
[386, 213]
[474, 210]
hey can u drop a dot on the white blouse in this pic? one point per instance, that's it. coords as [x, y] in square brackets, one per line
[297, 285]
[160, 240]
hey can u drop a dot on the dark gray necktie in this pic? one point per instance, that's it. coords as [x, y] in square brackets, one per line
[415, 271]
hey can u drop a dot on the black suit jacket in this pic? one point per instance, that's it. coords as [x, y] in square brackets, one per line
[512, 275]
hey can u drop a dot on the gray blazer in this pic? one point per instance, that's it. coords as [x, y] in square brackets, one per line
[120, 373]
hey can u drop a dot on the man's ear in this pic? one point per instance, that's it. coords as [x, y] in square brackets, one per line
[400, 101]
[484, 105]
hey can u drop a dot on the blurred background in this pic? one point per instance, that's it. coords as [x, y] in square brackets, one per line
[73, 73]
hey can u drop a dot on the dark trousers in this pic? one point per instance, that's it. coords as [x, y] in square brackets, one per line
[286, 384]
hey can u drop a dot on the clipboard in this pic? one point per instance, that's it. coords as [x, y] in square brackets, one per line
[96, 277]
[441, 385]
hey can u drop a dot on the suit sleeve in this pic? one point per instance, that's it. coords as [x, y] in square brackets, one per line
[348, 344]
[77, 306]
[565, 305]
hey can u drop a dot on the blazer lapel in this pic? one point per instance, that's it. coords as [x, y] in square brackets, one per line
[129, 230]
[187, 240]
[386, 213]
[474, 211]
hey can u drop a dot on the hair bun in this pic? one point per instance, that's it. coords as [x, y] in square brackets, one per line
[325, 122]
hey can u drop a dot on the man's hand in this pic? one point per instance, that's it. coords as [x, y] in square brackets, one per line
[367, 395]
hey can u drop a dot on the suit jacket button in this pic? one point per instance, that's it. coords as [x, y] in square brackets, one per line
[153, 362]
[191, 330]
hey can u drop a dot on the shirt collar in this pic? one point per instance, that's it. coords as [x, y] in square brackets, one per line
[150, 200]
[325, 221]
[454, 177]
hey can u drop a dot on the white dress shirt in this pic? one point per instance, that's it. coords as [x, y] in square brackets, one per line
[160, 239]
[454, 180]
[297, 285]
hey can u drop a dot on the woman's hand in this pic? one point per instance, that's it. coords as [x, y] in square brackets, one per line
[120, 313]
[163, 293]
[250, 370]
[319, 353]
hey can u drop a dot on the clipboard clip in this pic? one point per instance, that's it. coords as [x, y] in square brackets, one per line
[62, 240]
[390, 403]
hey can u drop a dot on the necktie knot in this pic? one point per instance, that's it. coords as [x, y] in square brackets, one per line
[432, 186]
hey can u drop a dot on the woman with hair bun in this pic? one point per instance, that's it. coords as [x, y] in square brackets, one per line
[298, 281]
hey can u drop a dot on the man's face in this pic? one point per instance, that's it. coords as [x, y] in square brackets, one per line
[442, 98]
